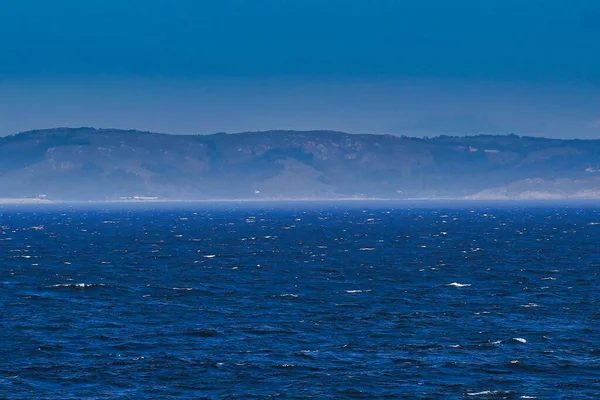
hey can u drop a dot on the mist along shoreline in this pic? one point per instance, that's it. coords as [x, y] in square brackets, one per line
[342, 200]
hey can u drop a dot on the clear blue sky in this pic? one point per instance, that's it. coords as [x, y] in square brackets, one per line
[413, 67]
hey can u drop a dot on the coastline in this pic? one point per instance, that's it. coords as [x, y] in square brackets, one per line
[466, 199]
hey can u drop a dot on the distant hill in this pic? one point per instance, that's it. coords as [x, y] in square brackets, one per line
[107, 164]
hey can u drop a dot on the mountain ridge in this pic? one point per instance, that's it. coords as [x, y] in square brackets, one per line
[107, 164]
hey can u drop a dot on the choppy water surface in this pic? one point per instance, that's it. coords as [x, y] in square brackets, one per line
[325, 302]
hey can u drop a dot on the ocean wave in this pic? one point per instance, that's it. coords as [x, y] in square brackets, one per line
[202, 332]
[80, 285]
[484, 393]
[458, 285]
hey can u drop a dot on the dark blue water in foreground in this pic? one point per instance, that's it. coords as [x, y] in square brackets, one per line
[377, 302]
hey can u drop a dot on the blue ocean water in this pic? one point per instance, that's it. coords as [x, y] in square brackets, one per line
[300, 301]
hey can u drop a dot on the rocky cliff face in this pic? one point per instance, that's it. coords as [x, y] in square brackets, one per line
[91, 164]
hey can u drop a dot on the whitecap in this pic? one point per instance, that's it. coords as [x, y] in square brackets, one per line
[357, 291]
[183, 288]
[367, 248]
[484, 393]
[528, 305]
[210, 256]
[520, 340]
[288, 295]
[458, 285]
[79, 285]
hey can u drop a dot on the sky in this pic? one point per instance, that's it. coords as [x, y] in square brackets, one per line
[422, 67]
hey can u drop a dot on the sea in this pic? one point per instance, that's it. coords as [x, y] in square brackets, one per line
[318, 300]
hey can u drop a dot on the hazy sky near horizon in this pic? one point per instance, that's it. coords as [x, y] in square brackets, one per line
[422, 67]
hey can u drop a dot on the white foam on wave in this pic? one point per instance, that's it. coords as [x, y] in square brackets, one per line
[79, 285]
[288, 295]
[528, 305]
[210, 256]
[484, 393]
[458, 285]
[357, 291]
[183, 288]
[286, 365]
[367, 248]
[520, 340]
